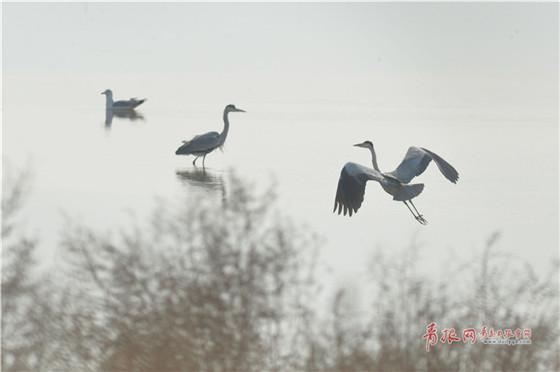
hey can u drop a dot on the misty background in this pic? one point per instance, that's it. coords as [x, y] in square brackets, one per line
[475, 83]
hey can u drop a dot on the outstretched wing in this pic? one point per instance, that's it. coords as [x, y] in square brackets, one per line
[352, 185]
[415, 163]
[200, 144]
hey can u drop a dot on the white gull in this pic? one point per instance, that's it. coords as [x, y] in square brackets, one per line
[131, 104]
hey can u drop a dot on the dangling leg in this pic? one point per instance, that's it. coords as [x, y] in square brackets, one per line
[416, 215]
[408, 206]
[421, 218]
[194, 161]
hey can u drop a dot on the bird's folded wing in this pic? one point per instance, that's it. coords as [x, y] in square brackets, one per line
[121, 104]
[203, 142]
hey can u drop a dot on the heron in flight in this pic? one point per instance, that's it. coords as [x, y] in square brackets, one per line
[353, 178]
[131, 104]
[204, 144]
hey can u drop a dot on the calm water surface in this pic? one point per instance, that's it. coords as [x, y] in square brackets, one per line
[484, 97]
[100, 170]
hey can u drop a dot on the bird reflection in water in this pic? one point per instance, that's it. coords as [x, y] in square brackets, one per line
[123, 114]
[202, 179]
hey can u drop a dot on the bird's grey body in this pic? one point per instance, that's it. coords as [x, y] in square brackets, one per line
[130, 104]
[353, 179]
[204, 144]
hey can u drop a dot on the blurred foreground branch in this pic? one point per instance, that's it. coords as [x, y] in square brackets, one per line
[496, 291]
[232, 287]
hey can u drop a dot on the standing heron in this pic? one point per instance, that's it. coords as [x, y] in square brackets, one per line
[131, 104]
[353, 178]
[204, 144]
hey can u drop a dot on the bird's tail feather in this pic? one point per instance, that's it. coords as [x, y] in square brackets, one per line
[407, 192]
[137, 102]
[183, 150]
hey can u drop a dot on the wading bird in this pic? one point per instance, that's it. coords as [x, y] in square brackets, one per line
[131, 104]
[353, 178]
[205, 143]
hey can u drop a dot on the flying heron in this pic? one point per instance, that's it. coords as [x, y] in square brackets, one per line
[131, 104]
[353, 178]
[204, 144]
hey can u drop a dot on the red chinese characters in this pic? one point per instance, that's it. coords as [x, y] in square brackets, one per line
[483, 334]
[449, 335]
[487, 335]
[469, 334]
[430, 336]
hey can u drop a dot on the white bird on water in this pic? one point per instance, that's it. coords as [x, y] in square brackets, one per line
[131, 104]
[353, 178]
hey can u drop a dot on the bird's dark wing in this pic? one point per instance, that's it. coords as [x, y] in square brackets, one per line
[130, 104]
[415, 163]
[351, 187]
[137, 102]
[121, 104]
[200, 144]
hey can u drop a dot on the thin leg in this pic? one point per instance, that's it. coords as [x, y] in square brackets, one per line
[408, 206]
[194, 161]
[416, 215]
[204, 157]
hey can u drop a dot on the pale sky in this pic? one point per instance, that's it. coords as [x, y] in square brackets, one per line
[477, 39]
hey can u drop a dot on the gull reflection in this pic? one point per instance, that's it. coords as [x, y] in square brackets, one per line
[124, 114]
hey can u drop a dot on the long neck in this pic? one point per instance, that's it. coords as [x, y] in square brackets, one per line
[224, 133]
[109, 100]
[374, 159]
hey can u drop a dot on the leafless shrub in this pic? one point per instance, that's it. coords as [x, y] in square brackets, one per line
[216, 287]
[231, 286]
[495, 291]
[19, 285]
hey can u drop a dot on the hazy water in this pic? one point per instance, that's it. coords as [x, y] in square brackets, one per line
[101, 174]
[310, 91]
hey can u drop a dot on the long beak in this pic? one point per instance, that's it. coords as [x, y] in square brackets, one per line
[359, 145]
[102, 92]
[239, 110]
